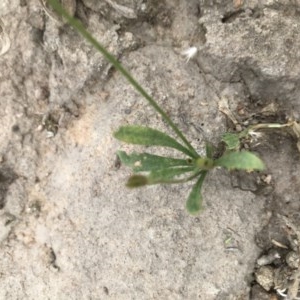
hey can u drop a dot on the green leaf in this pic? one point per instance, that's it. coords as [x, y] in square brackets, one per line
[232, 141]
[160, 176]
[149, 137]
[144, 162]
[243, 160]
[194, 202]
[209, 150]
[167, 175]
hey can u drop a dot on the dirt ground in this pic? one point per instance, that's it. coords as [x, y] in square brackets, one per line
[69, 228]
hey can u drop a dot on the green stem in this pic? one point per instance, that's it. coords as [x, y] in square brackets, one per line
[80, 28]
[201, 179]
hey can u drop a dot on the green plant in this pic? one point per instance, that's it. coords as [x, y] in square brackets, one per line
[170, 170]
[152, 169]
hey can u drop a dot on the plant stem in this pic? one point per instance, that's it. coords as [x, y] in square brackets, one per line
[80, 28]
[269, 125]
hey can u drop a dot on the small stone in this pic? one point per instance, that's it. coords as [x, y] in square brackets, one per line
[267, 179]
[265, 277]
[269, 258]
[292, 259]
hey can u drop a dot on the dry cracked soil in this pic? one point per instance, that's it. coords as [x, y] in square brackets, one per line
[69, 228]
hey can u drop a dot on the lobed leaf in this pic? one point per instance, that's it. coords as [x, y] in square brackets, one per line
[194, 202]
[143, 162]
[232, 141]
[140, 135]
[243, 160]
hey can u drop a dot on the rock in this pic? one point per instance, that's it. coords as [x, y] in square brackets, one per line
[265, 277]
[258, 46]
